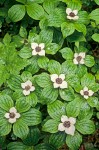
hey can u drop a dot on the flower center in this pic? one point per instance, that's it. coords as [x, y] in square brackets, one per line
[79, 58]
[27, 88]
[72, 14]
[12, 115]
[38, 49]
[86, 93]
[66, 124]
[58, 80]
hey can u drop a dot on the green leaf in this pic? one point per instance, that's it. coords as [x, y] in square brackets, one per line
[23, 32]
[33, 67]
[85, 111]
[25, 52]
[94, 87]
[83, 17]
[32, 99]
[20, 129]
[75, 4]
[76, 37]
[5, 129]
[3, 74]
[50, 94]
[33, 136]
[16, 12]
[85, 126]
[44, 146]
[13, 63]
[80, 28]
[87, 80]
[95, 37]
[74, 81]
[57, 17]
[26, 76]
[74, 142]
[37, 92]
[18, 66]
[58, 37]
[80, 48]
[37, 1]
[7, 39]
[89, 61]
[52, 48]
[35, 11]
[94, 15]
[67, 29]
[67, 94]
[57, 139]
[14, 82]
[43, 80]
[22, 105]
[17, 146]
[93, 101]
[73, 108]
[17, 40]
[97, 75]
[43, 23]
[6, 102]
[2, 118]
[67, 53]
[54, 67]
[50, 5]
[51, 126]
[77, 87]
[32, 117]
[68, 68]
[43, 62]
[17, 95]
[46, 35]
[33, 36]
[81, 70]
[97, 2]
[98, 115]
[56, 110]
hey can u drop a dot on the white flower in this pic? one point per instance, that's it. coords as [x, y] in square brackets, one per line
[86, 93]
[38, 49]
[67, 125]
[58, 81]
[27, 87]
[79, 58]
[12, 115]
[72, 14]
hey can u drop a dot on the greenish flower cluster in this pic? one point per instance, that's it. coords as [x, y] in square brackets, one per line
[49, 73]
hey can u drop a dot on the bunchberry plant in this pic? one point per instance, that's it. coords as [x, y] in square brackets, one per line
[49, 74]
[17, 116]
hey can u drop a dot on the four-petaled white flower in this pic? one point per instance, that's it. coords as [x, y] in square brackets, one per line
[38, 49]
[86, 93]
[67, 125]
[27, 87]
[72, 14]
[58, 81]
[12, 115]
[79, 58]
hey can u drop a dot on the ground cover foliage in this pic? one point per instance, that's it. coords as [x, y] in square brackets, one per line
[49, 74]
